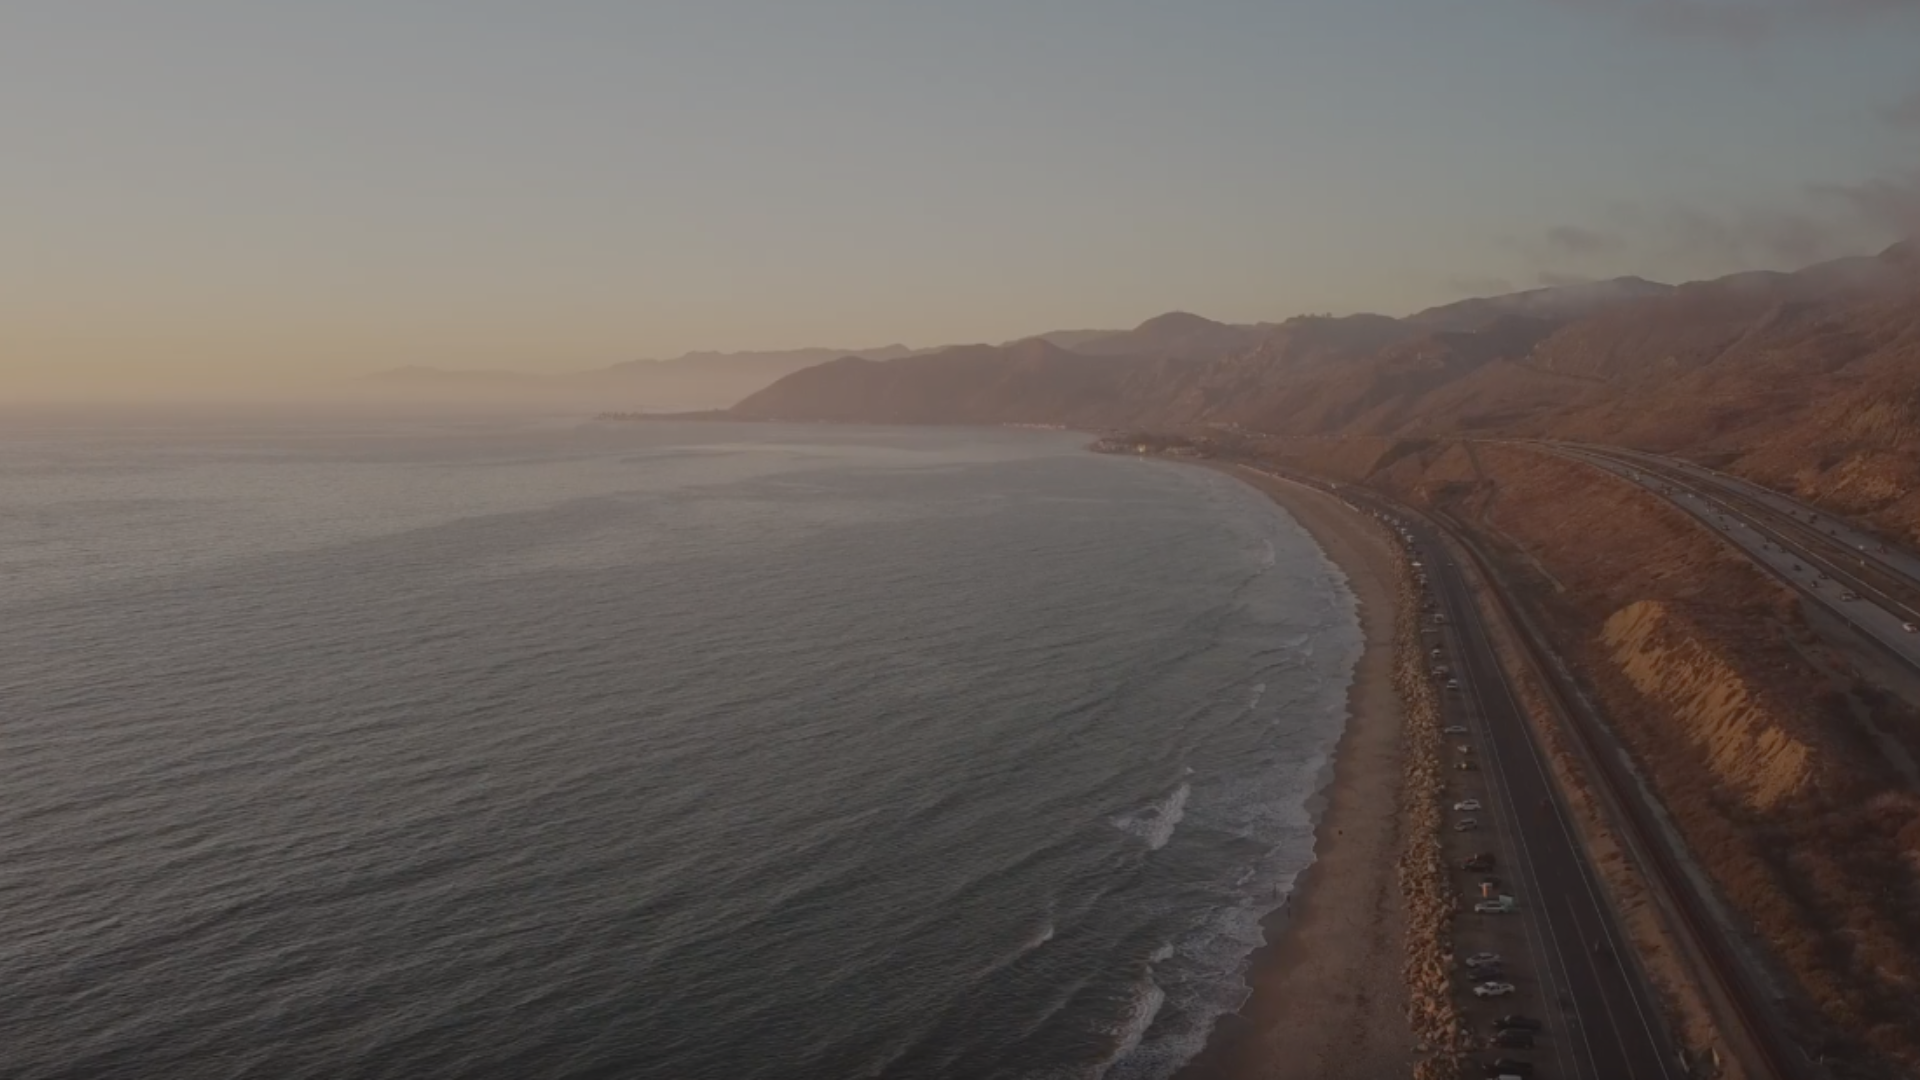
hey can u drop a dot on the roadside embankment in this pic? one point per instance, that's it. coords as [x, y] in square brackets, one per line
[1432, 1012]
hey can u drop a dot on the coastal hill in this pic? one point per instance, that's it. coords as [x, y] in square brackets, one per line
[1033, 381]
[1803, 376]
[1176, 335]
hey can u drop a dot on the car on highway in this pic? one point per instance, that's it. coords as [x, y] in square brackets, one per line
[1517, 1022]
[1467, 804]
[1502, 906]
[1483, 958]
[1513, 1040]
[1463, 749]
[1479, 861]
[1849, 596]
[1466, 825]
[1464, 766]
[1486, 972]
[1501, 1068]
[1453, 729]
[1453, 684]
[1439, 617]
[1911, 628]
[1493, 989]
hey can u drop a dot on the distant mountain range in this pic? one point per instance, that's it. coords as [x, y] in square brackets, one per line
[1809, 373]
[1518, 362]
[714, 380]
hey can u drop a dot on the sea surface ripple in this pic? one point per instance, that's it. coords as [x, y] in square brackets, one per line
[697, 752]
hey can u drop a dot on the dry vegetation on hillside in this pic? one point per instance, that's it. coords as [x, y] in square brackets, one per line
[1705, 669]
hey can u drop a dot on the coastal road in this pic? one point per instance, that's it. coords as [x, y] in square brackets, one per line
[1605, 1015]
[1871, 587]
[1602, 1023]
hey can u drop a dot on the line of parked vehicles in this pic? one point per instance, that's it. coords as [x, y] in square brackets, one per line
[1486, 972]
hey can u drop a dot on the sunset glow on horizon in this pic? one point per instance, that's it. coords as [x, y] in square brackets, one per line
[221, 196]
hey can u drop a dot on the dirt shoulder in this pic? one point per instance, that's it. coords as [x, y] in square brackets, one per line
[1329, 995]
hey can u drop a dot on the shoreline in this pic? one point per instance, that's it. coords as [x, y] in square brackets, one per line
[1329, 997]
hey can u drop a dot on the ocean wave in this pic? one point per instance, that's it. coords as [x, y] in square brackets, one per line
[1155, 823]
[1132, 1027]
[1041, 937]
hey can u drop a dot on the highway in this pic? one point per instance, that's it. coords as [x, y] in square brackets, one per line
[1602, 1022]
[1874, 589]
[1605, 1021]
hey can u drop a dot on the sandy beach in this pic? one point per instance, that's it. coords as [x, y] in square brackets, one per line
[1329, 1000]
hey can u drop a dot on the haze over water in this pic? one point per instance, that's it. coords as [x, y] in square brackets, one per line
[698, 752]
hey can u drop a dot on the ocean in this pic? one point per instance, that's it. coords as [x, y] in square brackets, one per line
[421, 749]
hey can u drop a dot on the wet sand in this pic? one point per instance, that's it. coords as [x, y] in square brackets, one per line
[1329, 1000]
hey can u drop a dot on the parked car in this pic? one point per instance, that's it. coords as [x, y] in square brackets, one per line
[1483, 958]
[1513, 1040]
[1453, 729]
[1480, 861]
[1453, 684]
[1467, 804]
[1464, 766]
[1502, 906]
[1517, 1022]
[1493, 989]
[1504, 1067]
[1466, 825]
[1485, 972]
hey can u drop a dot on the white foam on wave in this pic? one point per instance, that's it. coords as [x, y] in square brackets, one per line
[1155, 823]
[1039, 938]
[1134, 1023]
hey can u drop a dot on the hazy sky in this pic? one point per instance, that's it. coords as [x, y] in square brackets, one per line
[193, 188]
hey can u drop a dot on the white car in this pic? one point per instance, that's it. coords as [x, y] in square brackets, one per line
[1481, 958]
[1466, 825]
[1493, 990]
[1911, 628]
[1467, 804]
[1492, 907]
[1453, 684]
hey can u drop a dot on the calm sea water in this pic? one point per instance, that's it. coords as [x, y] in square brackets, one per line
[676, 751]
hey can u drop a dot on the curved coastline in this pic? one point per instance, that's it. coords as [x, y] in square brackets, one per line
[1328, 997]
